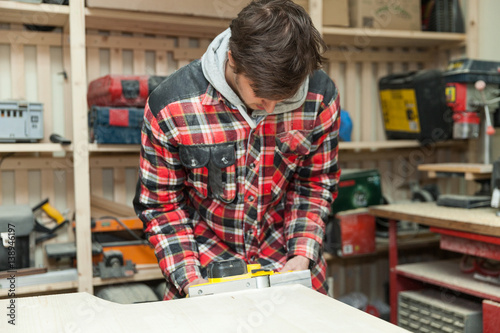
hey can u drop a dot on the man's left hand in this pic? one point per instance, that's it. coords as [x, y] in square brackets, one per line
[297, 263]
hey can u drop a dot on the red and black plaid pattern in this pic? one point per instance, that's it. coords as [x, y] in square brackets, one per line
[275, 198]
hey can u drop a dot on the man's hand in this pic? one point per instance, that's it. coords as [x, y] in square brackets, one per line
[195, 282]
[297, 263]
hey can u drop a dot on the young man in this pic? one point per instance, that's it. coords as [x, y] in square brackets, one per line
[239, 151]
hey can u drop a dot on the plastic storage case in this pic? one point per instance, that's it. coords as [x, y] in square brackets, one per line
[21, 121]
[122, 90]
[414, 106]
[115, 125]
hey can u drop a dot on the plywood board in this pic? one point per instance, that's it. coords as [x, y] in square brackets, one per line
[292, 308]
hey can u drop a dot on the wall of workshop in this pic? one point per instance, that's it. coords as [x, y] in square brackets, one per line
[489, 47]
[489, 25]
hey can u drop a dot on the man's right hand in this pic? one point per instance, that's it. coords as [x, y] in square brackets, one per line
[194, 283]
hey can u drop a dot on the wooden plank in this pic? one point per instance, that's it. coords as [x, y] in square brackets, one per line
[447, 273]
[154, 23]
[139, 59]
[458, 167]
[23, 37]
[403, 38]
[367, 103]
[21, 183]
[183, 56]
[116, 59]
[378, 56]
[161, 67]
[472, 28]
[93, 64]
[291, 308]
[382, 71]
[47, 184]
[115, 208]
[43, 14]
[44, 89]
[119, 190]
[130, 42]
[17, 71]
[111, 162]
[81, 155]
[351, 102]
[96, 182]
[479, 220]
[68, 126]
[316, 13]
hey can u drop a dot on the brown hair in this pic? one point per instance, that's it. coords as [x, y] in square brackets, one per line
[276, 46]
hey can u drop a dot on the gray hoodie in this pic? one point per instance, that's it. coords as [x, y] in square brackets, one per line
[213, 63]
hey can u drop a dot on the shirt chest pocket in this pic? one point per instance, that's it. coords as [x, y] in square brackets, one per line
[294, 142]
[211, 169]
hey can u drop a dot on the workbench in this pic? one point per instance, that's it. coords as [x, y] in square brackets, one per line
[475, 232]
[291, 308]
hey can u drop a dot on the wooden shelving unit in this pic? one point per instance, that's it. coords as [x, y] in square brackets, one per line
[447, 274]
[395, 38]
[29, 13]
[34, 148]
[75, 19]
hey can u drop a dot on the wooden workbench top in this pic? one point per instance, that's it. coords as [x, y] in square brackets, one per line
[478, 220]
[292, 308]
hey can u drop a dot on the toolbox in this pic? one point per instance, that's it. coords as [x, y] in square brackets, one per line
[350, 233]
[414, 106]
[350, 229]
[21, 121]
[122, 90]
[358, 188]
[115, 125]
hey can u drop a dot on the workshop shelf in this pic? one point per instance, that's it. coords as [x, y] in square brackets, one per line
[33, 13]
[447, 274]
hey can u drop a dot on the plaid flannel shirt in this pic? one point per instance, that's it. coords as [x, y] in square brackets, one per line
[211, 187]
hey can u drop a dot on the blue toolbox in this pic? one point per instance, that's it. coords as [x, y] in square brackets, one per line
[115, 125]
[21, 121]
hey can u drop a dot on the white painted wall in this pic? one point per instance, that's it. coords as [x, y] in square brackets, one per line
[489, 27]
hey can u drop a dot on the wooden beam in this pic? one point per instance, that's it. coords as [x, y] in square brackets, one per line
[115, 208]
[81, 153]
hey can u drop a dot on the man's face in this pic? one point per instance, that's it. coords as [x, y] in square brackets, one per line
[242, 86]
[247, 95]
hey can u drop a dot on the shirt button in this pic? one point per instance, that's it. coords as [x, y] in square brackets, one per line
[250, 232]
[252, 165]
[251, 198]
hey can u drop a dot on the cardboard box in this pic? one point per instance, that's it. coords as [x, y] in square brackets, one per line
[386, 14]
[217, 9]
[335, 12]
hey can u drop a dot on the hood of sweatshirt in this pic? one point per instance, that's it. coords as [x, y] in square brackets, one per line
[213, 63]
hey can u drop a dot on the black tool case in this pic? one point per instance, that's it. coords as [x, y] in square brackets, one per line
[414, 106]
[115, 125]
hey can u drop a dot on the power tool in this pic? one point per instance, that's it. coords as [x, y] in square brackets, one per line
[235, 275]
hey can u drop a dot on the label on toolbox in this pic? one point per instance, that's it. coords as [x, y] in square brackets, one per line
[399, 108]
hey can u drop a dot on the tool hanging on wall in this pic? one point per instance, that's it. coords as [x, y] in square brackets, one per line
[54, 214]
